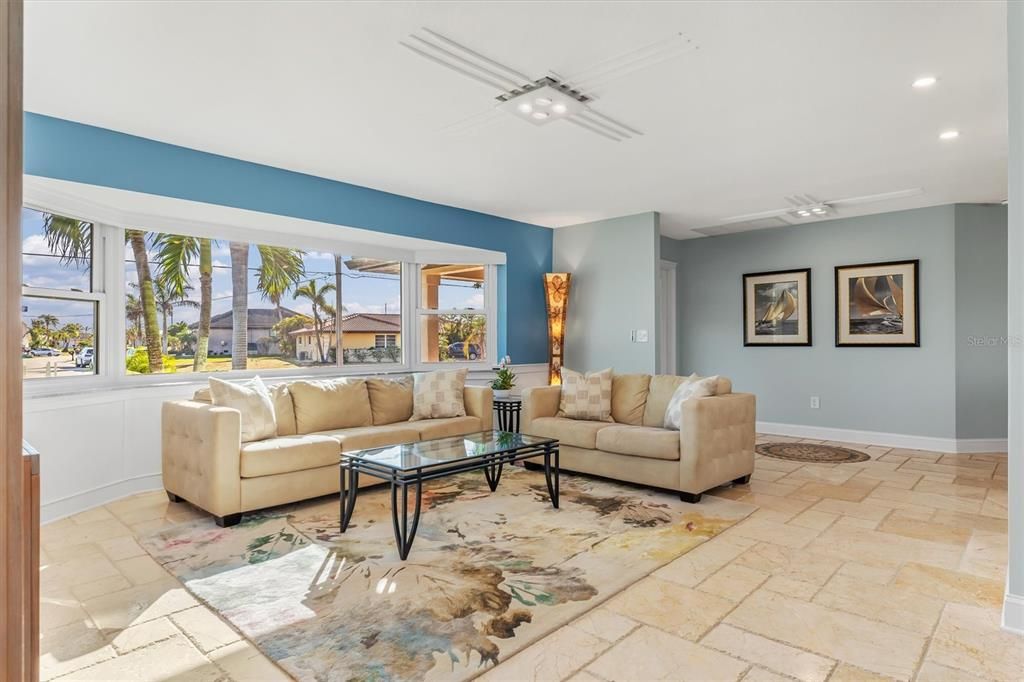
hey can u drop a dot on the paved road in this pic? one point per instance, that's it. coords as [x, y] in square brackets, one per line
[60, 365]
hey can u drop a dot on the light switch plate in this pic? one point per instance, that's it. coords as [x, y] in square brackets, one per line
[641, 336]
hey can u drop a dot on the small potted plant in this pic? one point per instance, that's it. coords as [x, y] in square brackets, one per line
[504, 380]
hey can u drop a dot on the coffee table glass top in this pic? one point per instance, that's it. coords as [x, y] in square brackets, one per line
[453, 450]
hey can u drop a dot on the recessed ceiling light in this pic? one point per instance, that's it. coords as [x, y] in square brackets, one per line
[925, 82]
[558, 108]
[525, 107]
[540, 115]
[949, 134]
[542, 101]
[804, 213]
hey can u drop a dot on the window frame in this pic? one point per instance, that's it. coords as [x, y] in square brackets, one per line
[167, 215]
[489, 311]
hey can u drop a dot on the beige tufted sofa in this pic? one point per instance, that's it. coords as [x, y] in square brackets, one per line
[714, 447]
[205, 462]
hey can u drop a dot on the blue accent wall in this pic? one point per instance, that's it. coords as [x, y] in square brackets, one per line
[65, 150]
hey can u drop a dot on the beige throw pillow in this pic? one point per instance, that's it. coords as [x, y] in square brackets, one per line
[438, 394]
[586, 396]
[253, 400]
[699, 388]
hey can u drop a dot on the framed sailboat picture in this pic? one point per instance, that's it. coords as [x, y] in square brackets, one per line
[877, 304]
[777, 308]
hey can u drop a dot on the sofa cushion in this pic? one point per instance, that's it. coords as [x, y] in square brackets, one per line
[328, 405]
[577, 432]
[390, 400]
[362, 437]
[287, 453]
[662, 388]
[639, 441]
[443, 428]
[629, 396]
[284, 410]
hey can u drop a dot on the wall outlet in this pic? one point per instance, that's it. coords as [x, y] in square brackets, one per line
[815, 402]
[641, 336]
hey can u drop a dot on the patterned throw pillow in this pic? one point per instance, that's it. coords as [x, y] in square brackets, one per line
[697, 388]
[438, 394]
[586, 396]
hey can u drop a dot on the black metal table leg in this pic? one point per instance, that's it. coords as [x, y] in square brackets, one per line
[404, 535]
[551, 473]
[348, 497]
[492, 472]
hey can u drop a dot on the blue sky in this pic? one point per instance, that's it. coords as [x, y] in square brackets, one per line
[362, 292]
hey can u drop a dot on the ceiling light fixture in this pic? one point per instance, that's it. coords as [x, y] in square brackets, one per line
[949, 134]
[540, 115]
[562, 97]
[925, 82]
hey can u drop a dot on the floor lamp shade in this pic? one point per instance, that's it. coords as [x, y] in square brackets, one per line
[556, 295]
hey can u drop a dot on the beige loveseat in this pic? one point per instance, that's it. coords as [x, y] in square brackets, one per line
[715, 445]
[205, 462]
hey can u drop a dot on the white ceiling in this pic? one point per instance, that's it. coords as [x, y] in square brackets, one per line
[781, 98]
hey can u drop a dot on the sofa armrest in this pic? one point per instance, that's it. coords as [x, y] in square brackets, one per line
[200, 450]
[716, 440]
[539, 401]
[480, 403]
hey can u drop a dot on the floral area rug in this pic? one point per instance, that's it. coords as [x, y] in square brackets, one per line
[811, 452]
[488, 574]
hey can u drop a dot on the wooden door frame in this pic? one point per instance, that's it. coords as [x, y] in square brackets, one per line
[19, 569]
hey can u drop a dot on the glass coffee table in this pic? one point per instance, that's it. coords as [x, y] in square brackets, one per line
[410, 464]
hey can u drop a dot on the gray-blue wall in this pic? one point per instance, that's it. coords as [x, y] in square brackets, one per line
[910, 391]
[614, 289]
[981, 336]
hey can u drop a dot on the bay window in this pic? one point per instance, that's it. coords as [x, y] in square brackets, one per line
[116, 303]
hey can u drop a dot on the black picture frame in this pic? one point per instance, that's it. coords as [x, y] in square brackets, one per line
[915, 342]
[796, 272]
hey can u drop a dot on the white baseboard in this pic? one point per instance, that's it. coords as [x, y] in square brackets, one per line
[1013, 613]
[88, 499]
[892, 440]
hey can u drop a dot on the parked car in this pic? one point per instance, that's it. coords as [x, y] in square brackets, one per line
[460, 350]
[45, 352]
[85, 357]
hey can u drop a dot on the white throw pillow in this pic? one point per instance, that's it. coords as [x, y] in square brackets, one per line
[698, 388]
[436, 395]
[253, 400]
[586, 396]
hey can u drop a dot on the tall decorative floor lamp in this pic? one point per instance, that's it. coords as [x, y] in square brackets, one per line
[556, 295]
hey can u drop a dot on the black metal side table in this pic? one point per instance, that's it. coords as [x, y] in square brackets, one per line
[508, 410]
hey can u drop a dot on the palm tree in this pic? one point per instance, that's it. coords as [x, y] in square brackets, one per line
[71, 332]
[70, 238]
[137, 240]
[167, 299]
[176, 253]
[133, 315]
[318, 299]
[239, 304]
[47, 322]
[280, 270]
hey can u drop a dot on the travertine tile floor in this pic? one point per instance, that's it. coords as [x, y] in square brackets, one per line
[889, 568]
